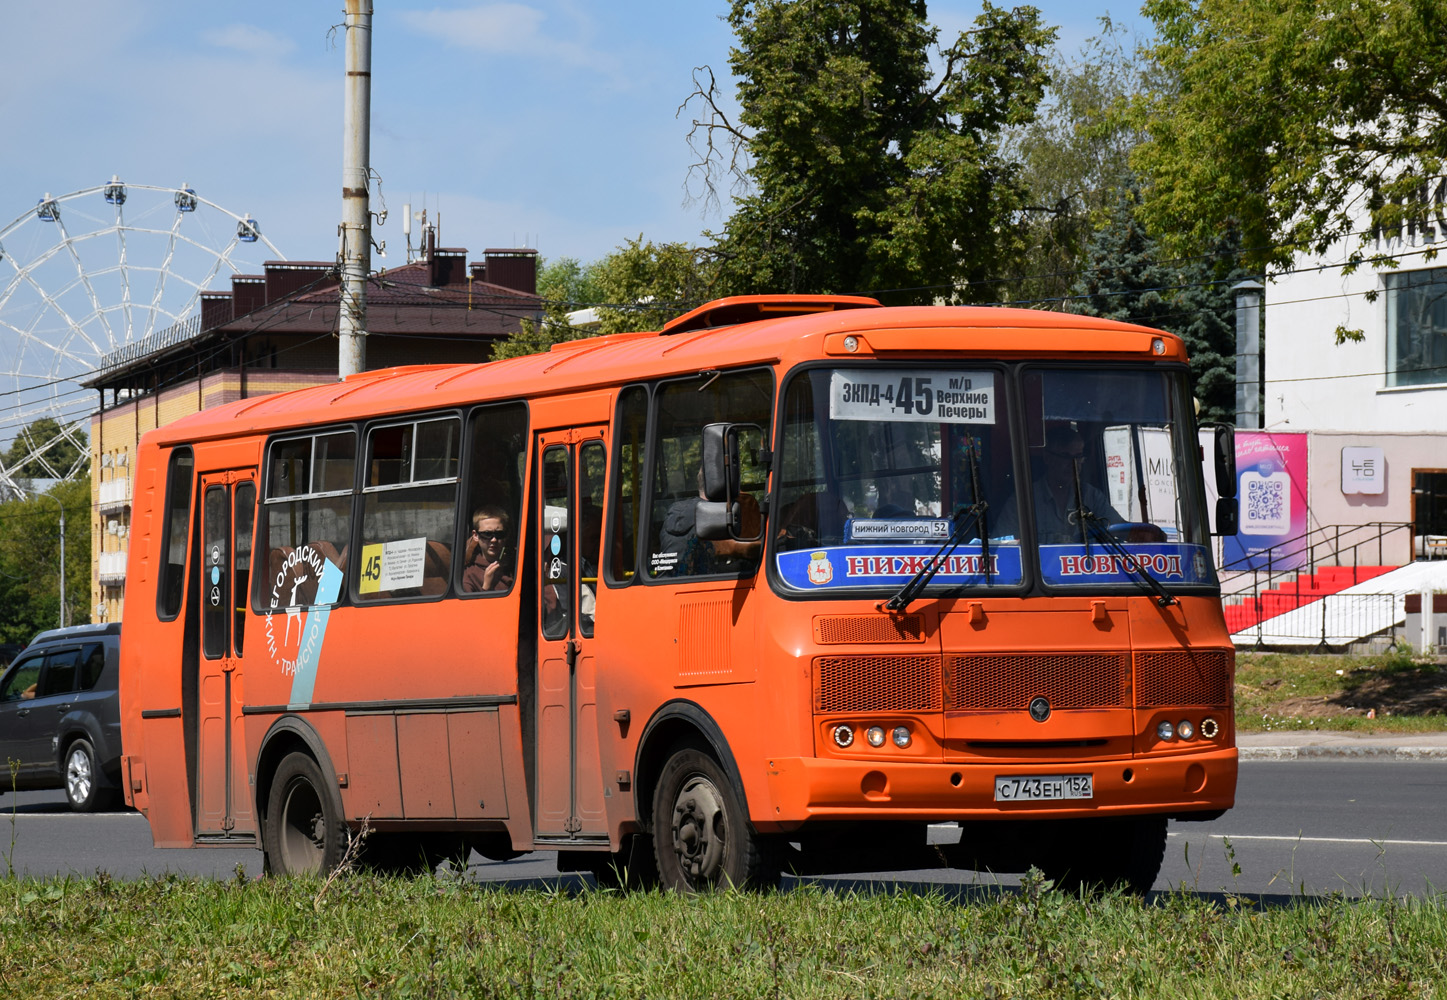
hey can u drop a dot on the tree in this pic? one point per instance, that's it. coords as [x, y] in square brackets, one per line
[30, 561]
[646, 284]
[45, 450]
[858, 168]
[564, 285]
[1075, 161]
[1295, 118]
[639, 286]
[1126, 278]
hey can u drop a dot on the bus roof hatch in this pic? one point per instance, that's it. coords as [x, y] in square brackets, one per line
[752, 308]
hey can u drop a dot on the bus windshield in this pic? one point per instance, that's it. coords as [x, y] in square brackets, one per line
[881, 467]
[884, 469]
[1112, 460]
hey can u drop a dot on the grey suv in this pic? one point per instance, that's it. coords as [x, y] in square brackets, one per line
[60, 724]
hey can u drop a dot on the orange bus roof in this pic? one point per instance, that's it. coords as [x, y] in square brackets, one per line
[806, 331]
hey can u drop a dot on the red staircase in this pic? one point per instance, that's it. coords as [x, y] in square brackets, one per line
[1306, 588]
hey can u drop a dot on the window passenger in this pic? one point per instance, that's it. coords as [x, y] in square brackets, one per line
[488, 561]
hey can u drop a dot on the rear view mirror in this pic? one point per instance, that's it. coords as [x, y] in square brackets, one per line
[720, 469]
[1225, 461]
[720, 512]
[1228, 516]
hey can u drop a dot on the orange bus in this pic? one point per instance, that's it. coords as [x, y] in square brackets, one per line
[797, 583]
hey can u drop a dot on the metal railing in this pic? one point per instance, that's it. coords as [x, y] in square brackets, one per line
[1334, 621]
[174, 334]
[1330, 545]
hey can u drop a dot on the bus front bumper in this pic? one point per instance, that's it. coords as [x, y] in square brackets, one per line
[807, 788]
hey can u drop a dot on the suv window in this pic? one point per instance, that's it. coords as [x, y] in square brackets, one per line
[23, 680]
[59, 674]
[92, 663]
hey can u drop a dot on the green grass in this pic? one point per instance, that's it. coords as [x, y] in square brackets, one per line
[367, 937]
[1279, 691]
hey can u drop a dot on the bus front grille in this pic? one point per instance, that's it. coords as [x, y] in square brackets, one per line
[877, 684]
[1010, 680]
[1184, 677]
[834, 629]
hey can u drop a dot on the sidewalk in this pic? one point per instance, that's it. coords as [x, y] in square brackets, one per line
[1309, 745]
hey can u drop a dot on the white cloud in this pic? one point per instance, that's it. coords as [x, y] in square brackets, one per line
[249, 40]
[507, 29]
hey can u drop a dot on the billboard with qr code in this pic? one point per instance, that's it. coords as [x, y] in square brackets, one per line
[1271, 487]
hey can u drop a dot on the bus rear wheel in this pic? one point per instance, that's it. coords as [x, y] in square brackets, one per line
[702, 837]
[304, 831]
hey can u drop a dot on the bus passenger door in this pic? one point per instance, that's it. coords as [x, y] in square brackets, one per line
[569, 536]
[228, 515]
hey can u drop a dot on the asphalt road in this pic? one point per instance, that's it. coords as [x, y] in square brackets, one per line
[1308, 827]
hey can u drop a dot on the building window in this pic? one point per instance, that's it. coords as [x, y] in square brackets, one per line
[1417, 327]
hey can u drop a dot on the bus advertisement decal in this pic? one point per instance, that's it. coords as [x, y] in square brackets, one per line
[1073, 564]
[883, 565]
[310, 650]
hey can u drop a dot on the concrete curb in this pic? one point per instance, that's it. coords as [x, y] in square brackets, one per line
[1340, 752]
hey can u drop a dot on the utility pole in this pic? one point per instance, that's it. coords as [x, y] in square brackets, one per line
[1249, 411]
[62, 553]
[356, 227]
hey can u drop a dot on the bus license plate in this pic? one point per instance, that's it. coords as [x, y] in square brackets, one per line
[1043, 787]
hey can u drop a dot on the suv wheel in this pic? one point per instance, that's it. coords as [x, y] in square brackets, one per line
[83, 779]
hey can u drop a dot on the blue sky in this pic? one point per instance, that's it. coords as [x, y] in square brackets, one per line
[547, 123]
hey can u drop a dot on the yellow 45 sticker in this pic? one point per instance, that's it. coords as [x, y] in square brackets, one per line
[371, 569]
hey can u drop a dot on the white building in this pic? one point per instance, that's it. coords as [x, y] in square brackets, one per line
[1381, 400]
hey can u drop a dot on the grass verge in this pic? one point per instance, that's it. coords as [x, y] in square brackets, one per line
[374, 937]
[1391, 693]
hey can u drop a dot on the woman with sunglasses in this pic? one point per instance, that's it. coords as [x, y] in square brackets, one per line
[486, 552]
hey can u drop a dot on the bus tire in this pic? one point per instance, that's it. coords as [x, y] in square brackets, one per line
[1124, 854]
[304, 832]
[701, 835]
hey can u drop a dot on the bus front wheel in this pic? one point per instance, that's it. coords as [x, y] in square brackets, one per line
[304, 829]
[701, 835]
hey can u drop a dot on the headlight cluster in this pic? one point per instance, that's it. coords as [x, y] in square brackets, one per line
[1187, 730]
[874, 736]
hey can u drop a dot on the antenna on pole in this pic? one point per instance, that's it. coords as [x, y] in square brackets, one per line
[356, 176]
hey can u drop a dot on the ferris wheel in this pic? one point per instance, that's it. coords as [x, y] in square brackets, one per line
[83, 275]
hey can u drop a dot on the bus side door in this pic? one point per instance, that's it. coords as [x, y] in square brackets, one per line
[228, 516]
[569, 537]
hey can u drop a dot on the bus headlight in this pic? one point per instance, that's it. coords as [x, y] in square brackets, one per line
[1185, 730]
[843, 736]
[1166, 731]
[1209, 728]
[875, 736]
[901, 736]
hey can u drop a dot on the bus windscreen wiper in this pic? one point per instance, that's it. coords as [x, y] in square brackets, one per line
[1092, 524]
[964, 518]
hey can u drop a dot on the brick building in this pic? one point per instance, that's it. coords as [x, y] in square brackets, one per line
[277, 331]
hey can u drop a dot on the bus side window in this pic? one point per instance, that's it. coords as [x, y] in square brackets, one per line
[175, 534]
[592, 468]
[306, 520]
[497, 453]
[409, 509]
[683, 408]
[631, 435]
